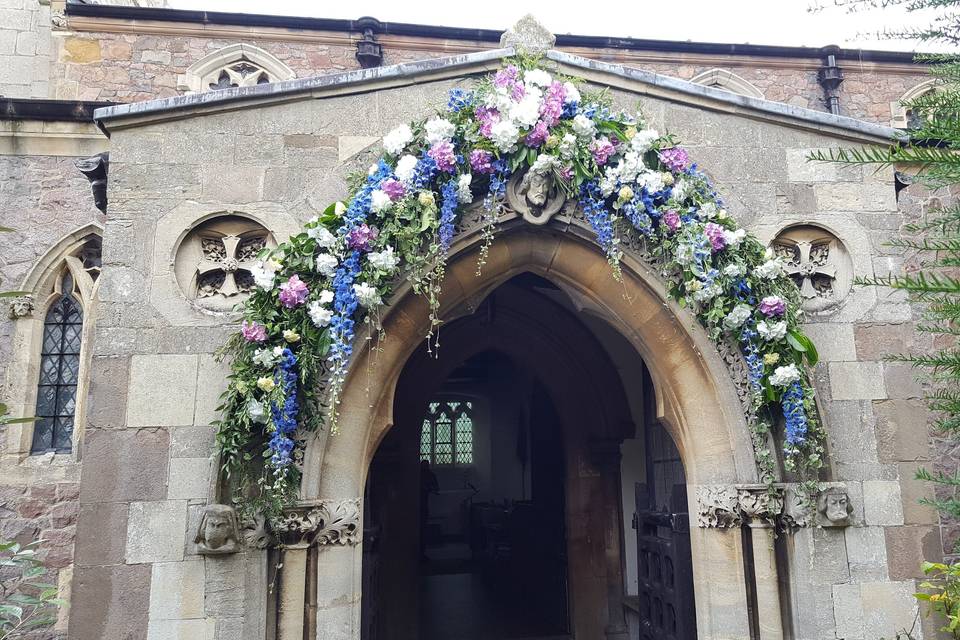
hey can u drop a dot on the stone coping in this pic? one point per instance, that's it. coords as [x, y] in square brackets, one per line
[117, 116]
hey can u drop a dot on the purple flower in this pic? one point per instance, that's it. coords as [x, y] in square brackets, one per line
[672, 219]
[567, 173]
[552, 107]
[506, 77]
[293, 292]
[602, 149]
[487, 117]
[394, 189]
[675, 158]
[773, 306]
[253, 332]
[361, 236]
[442, 154]
[715, 235]
[538, 134]
[481, 161]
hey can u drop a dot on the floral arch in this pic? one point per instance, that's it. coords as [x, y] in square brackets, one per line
[520, 144]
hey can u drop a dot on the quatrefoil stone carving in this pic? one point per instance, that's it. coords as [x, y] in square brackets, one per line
[818, 262]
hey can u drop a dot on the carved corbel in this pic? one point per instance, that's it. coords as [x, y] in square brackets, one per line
[321, 523]
[760, 505]
[718, 507]
[21, 307]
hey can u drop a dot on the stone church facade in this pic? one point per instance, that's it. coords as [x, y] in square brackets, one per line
[244, 127]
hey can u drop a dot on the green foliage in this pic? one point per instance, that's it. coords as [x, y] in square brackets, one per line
[25, 602]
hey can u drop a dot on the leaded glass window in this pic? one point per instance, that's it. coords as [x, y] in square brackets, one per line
[446, 435]
[59, 372]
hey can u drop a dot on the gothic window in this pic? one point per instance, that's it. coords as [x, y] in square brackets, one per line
[446, 435]
[901, 115]
[818, 262]
[237, 65]
[214, 260]
[728, 81]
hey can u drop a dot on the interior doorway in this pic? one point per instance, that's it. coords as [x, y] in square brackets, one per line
[500, 505]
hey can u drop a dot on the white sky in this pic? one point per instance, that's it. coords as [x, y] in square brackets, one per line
[771, 22]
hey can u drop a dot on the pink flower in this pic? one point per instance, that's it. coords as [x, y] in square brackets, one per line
[538, 134]
[602, 149]
[672, 219]
[715, 234]
[394, 189]
[552, 107]
[773, 306]
[675, 159]
[567, 173]
[442, 153]
[293, 292]
[481, 161]
[253, 332]
[487, 117]
[506, 77]
[361, 236]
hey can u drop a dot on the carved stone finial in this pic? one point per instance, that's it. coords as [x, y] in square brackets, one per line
[535, 196]
[21, 307]
[528, 36]
[219, 530]
[834, 508]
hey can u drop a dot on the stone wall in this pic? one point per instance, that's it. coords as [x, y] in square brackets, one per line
[24, 48]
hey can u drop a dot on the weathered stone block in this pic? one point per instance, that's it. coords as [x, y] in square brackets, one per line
[101, 534]
[190, 442]
[182, 630]
[877, 341]
[852, 196]
[900, 379]
[156, 531]
[882, 503]
[213, 381]
[107, 400]
[912, 492]
[908, 547]
[848, 611]
[233, 184]
[888, 607]
[856, 381]
[110, 602]
[902, 427]
[189, 478]
[176, 590]
[162, 390]
[834, 341]
[123, 465]
[866, 553]
[849, 426]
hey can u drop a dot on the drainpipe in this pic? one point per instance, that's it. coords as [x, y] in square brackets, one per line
[830, 76]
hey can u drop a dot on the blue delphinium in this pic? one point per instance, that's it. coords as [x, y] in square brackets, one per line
[284, 417]
[592, 201]
[795, 415]
[570, 109]
[459, 99]
[424, 171]
[751, 355]
[448, 211]
[640, 220]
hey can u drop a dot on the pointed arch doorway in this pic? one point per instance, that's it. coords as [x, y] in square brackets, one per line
[496, 506]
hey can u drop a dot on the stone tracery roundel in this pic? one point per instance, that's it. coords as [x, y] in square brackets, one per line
[818, 262]
[214, 261]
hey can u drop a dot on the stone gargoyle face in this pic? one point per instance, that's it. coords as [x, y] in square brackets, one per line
[538, 189]
[834, 506]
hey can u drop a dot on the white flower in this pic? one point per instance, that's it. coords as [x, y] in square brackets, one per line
[256, 411]
[568, 146]
[339, 209]
[264, 358]
[583, 126]
[366, 295]
[326, 296]
[319, 314]
[769, 270]
[263, 274]
[504, 135]
[324, 237]
[608, 185]
[681, 189]
[572, 94]
[784, 376]
[652, 180]
[708, 210]
[736, 317]
[373, 169]
[527, 111]
[277, 351]
[327, 264]
[734, 238]
[395, 141]
[405, 168]
[385, 260]
[772, 331]
[544, 164]
[734, 270]
[707, 292]
[464, 195]
[380, 201]
[439, 130]
[685, 253]
[537, 77]
[643, 140]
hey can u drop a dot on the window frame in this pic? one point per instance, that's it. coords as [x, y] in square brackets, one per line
[474, 411]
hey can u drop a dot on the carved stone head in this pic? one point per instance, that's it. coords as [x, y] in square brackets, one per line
[219, 530]
[535, 196]
[834, 508]
[21, 307]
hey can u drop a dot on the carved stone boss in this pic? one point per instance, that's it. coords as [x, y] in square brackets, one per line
[730, 506]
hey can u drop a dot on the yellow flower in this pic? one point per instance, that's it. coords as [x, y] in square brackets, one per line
[552, 141]
[626, 194]
[339, 209]
[426, 199]
[291, 336]
[937, 597]
[630, 132]
[693, 284]
[668, 178]
[771, 358]
[722, 215]
[241, 386]
[266, 384]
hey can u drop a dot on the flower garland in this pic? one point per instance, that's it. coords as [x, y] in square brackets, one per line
[299, 324]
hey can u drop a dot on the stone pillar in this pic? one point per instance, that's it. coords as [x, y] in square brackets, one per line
[606, 456]
[765, 576]
[293, 583]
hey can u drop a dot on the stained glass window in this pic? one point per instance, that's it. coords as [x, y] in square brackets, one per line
[59, 372]
[446, 435]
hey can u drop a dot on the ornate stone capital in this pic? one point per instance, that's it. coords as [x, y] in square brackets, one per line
[21, 307]
[323, 523]
[718, 507]
[782, 506]
[760, 505]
